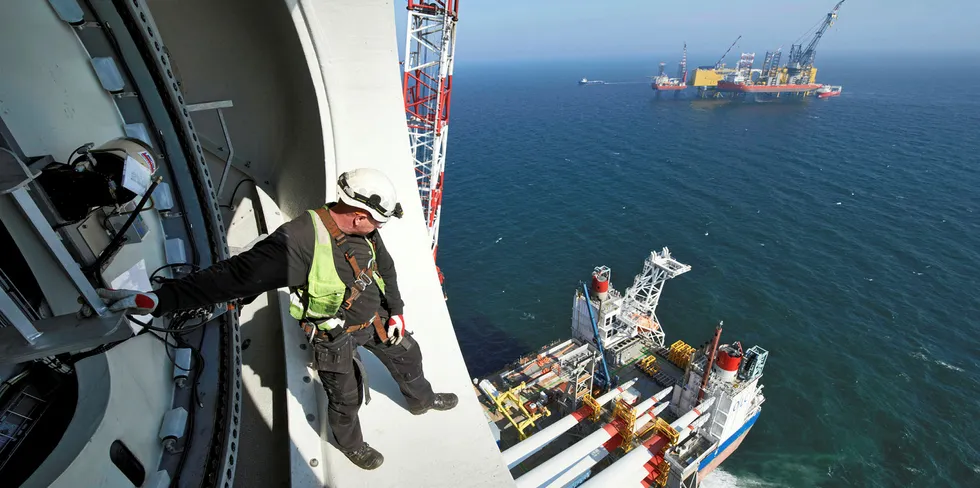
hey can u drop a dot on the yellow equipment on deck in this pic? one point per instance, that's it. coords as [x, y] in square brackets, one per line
[680, 354]
[624, 412]
[511, 399]
[591, 402]
[648, 365]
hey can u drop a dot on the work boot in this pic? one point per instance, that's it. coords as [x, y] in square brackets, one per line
[443, 401]
[365, 457]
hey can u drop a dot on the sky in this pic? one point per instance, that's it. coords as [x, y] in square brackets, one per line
[491, 30]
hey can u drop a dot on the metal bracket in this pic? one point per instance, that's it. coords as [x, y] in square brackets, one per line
[15, 316]
[14, 174]
[64, 333]
[220, 151]
[198, 107]
[58, 250]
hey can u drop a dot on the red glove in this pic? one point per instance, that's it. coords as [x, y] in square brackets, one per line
[396, 329]
[137, 302]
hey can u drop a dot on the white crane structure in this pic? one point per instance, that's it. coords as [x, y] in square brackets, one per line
[429, 48]
[640, 304]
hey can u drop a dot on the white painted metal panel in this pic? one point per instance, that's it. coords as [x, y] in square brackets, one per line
[123, 395]
[50, 98]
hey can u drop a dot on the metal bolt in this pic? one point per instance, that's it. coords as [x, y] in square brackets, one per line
[306, 379]
[86, 311]
[310, 417]
[314, 462]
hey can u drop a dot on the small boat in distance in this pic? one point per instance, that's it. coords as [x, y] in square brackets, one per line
[828, 91]
[586, 81]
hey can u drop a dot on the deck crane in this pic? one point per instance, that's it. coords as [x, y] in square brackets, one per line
[640, 304]
[682, 67]
[718, 64]
[801, 60]
[429, 56]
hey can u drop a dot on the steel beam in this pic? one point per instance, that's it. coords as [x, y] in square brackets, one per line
[58, 250]
[61, 334]
[22, 323]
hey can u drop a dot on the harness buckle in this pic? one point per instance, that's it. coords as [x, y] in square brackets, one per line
[363, 280]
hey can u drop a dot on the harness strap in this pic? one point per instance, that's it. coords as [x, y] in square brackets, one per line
[380, 328]
[362, 279]
[331, 226]
[363, 389]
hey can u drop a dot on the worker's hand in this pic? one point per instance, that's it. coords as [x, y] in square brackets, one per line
[396, 330]
[139, 303]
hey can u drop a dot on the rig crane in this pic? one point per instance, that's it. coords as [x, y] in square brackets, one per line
[682, 67]
[801, 60]
[429, 55]
[718, 65]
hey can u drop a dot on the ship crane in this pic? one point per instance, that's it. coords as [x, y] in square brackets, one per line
[640, 304]
[718, 65]
[682, 67]
[801, 60]
[429, 58]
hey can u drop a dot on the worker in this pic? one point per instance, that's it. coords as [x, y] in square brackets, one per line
[344, 295]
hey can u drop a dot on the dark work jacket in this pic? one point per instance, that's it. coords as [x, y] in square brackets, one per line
[283, 259]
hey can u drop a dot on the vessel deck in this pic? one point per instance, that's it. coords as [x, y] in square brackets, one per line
[646, 386]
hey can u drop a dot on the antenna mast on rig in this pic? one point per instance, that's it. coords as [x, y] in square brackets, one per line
[429, 53]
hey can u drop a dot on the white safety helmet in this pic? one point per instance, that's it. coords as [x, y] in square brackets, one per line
[371, 190]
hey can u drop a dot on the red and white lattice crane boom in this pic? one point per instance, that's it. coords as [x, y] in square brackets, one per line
[430, 44]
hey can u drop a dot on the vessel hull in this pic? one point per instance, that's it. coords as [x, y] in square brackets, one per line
[726, 86]
[712, 461]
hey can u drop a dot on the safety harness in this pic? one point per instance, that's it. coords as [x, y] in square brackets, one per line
[363, 279]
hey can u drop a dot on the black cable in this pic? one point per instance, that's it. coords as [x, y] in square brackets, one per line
[153, 275]
[169, 330]
[76, 151]
[116, 212]
[111, 36]
[177, 328]
[167, 345]
[117, 240]
[191, 413]
[153, 205]
[235, 191]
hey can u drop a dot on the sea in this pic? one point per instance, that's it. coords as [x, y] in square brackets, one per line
[842, 235]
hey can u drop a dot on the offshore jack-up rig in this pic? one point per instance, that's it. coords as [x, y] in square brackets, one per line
[796, 78]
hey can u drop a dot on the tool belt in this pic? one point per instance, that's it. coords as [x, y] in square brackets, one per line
[334, 352]
[314, 333]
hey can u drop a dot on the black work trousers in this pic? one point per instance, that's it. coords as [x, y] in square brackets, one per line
[340, 378]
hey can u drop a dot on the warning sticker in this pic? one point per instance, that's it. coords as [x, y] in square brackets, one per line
[149, 159]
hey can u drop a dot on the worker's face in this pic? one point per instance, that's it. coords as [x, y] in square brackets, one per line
[364, 224]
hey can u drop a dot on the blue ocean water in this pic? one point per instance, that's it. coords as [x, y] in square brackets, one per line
[842, 235]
